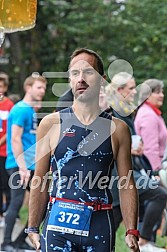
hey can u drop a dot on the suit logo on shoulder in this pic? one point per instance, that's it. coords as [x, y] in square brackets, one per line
[69, 132]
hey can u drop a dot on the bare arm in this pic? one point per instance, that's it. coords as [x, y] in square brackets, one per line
[128, 193]
[2, 139]
[17, 148]
[39, 194]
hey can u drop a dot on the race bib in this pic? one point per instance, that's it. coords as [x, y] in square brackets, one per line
[70, 218]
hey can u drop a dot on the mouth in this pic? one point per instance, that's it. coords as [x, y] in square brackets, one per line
[82, 89]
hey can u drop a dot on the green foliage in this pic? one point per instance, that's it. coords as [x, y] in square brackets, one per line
[121, 245]
[129, 29]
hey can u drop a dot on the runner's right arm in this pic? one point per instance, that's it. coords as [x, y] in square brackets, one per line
[39, 194]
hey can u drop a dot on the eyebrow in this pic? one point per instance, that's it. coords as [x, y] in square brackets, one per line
[85, 69]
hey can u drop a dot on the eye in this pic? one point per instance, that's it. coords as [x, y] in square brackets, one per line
[89, 71]
[74, 73]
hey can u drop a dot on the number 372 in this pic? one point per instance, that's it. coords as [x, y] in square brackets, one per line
[69, 218]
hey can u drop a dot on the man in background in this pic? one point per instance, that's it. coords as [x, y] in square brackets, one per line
[21, 131]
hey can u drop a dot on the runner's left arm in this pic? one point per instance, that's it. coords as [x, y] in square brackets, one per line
[128, 193]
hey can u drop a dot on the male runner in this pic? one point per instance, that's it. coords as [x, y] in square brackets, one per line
[81, 144]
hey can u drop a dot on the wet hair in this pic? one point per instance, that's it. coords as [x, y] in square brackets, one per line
[99, 60]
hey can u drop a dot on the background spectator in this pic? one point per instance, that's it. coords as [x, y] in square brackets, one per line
[5, 106]
[21, 130]
[150, 125]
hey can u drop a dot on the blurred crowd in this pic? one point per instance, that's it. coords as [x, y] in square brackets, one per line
[139, 106]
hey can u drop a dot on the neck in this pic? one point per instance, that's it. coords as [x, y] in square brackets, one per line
[27, 99]
[86, 112]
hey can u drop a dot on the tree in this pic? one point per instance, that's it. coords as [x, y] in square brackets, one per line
[117, 29]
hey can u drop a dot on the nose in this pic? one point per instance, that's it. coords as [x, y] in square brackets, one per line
[134, 91]
[81, 77]
[43, 91]
[162, 94]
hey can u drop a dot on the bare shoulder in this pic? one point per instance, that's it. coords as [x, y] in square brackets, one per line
[120, 126]
[48, 122]
[120, 136]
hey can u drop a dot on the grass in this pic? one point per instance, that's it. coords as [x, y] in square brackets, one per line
[120, 236]
[23, 215]
[121, 245]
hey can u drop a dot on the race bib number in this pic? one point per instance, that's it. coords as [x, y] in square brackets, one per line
[70, 218]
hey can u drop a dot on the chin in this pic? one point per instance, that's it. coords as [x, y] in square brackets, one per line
[39, 99]
[81, 98]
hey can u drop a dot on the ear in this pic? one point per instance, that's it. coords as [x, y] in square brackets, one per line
[28, 88]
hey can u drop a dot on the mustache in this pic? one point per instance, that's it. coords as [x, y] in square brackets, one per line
[82, 86]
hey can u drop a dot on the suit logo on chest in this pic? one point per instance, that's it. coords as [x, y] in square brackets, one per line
[69, 132]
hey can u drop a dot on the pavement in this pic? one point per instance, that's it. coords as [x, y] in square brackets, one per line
[17, 228]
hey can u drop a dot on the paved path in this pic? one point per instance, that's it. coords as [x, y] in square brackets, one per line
[18, 227]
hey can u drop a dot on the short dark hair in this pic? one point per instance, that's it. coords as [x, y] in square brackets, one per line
[99, 60]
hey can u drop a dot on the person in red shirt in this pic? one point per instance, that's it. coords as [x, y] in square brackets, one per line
[5, 106]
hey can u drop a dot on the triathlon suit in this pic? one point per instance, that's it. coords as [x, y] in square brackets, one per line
[82, 164]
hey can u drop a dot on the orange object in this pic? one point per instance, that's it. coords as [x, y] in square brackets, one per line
[17, 15]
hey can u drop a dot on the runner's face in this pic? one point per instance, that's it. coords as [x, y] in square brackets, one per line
[84, 77]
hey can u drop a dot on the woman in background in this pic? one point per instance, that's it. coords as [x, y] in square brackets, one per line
[149, 123]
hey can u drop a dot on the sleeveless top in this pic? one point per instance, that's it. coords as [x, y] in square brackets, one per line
[83, 159]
